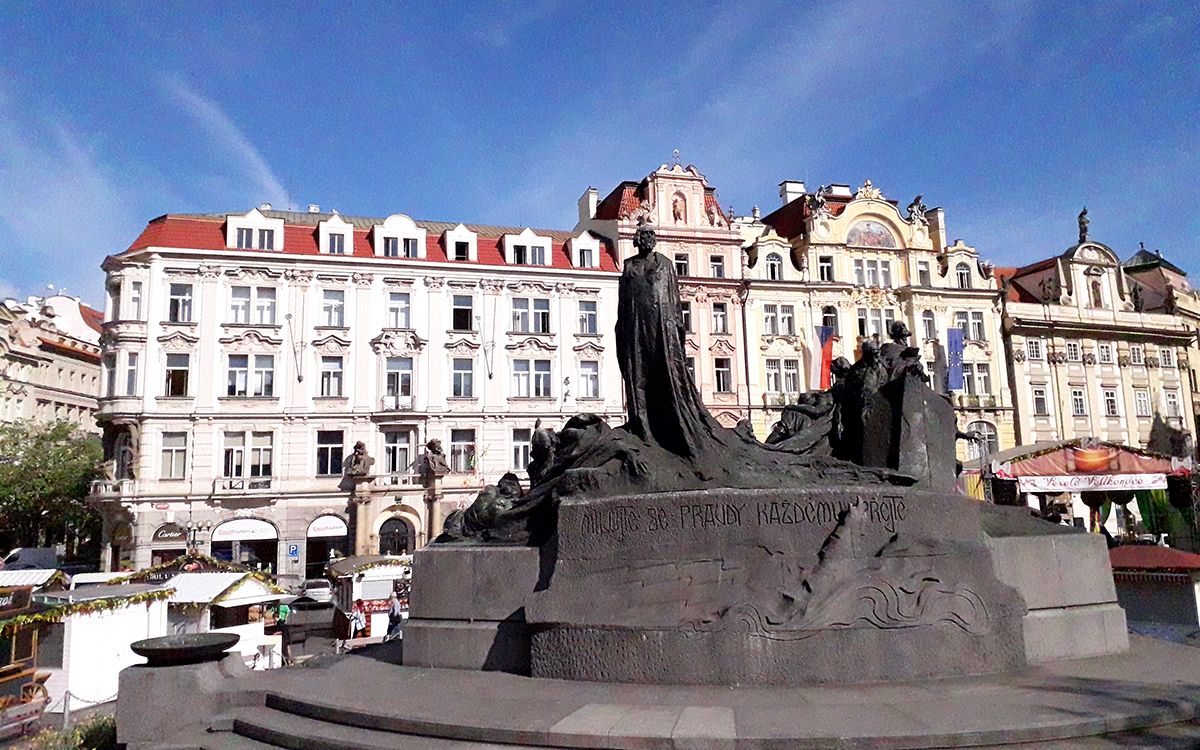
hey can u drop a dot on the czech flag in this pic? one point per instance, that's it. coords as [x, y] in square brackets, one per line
[820, 377]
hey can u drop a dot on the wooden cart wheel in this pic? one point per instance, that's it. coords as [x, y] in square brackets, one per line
[33, 692]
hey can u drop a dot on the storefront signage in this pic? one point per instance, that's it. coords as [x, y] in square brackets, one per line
[1090, 482]
[14, 599]
[122, 534]
[169, 533]
[244, 529]
[327, 526]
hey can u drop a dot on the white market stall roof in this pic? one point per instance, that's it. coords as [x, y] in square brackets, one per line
[372, 566]
[96, 591]
[228, 589]
[37, 577]
[83, 579]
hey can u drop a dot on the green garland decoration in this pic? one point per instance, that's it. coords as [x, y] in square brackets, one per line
[58, 614]
[380, 564]
[211, 564]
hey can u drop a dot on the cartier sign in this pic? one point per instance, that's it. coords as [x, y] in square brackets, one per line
[169, 533]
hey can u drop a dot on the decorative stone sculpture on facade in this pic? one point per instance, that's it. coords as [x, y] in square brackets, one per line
[359, 463]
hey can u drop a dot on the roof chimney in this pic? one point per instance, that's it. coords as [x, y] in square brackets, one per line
[790, 190]
[313, 208]
[264, 206]
[587, 205]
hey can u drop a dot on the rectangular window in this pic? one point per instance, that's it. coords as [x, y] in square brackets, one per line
[462, 313]
[396, 449]
[462, 385]
[969, 383]
[716, 266]
[177, 375]
[174, 455]
[520, 378]
[686, 316]
[720, 318]
[585, 258]
[179, 303]
[398, 381]
[983, 379]
[391, 247]
[235, 454]
[329, 452]
[1078, 402]
[131, 373]
[787, 320]
[825, 268]
[520, 452]
[462, 451]
[978, 333]
[860, 277]
[1141, 402]
[774, 376]
[266, 239]
[724, 374]
[135, 300]
[1110, 402]
[239, 304]
[263, 376]
[238, 375]
[541, 316]
[587, 316]
[872, 273]
[337, 243]
[771, 320]
[1033, 349]
[541, 379]
[333, 308]
[691, 368]
[1040, 402]
[110, 374]
[520, 254]
[520, 315]
[589, 379]
[264, 305]
[261, 454]
[1167, 357]
[1074, 352]
[681, 265]
[791, 376]
[410, 247]
[923, 272]
[399, 308]
[537, 255]
[1137, 354]
[962, 321]
[245, 239]
[331, 376]
[885, 273]
[929, 325]
[1172, 399]
[462, 250]
[1106, 352]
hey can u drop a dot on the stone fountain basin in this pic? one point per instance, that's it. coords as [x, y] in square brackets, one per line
[186, 648]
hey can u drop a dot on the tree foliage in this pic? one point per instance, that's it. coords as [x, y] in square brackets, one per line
[45, 473]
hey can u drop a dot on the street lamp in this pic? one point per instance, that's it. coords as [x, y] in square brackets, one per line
[193, 528]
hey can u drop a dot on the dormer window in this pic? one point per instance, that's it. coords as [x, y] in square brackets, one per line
[527, 249]
[520, 254]
[245, 238]
[462, 250]
[461, 244]
[266, 239]
[585, 257]
[337, 243]
[584, 250]
[253, 231]
[399, 237]
[962, 274]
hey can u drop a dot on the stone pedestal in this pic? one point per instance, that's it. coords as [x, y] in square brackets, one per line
[467, 608]
[734, 587]
[360, 500]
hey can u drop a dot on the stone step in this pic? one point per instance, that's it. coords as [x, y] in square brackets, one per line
[278, 729]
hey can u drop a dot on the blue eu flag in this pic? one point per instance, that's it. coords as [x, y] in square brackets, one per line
[954, 359]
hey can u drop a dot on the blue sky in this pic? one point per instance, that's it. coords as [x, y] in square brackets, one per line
[1011, 116]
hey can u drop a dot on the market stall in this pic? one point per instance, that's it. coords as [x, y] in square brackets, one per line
[231, 601]
[369, 580]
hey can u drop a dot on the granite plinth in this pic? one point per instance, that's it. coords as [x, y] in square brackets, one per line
[738, 587]
[467, 608]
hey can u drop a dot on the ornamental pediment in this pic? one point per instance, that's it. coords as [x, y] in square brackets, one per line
[398, 281]
[178, 341]
[589, 349]
[531, 344]
[462, 346]
[872, 297]
[722, 346]
[250, 340]
[256, 275]
[525, 287]
[331, 344]
[396, 342]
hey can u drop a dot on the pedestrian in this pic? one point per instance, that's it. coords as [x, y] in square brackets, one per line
[395, 613]
[358, 620]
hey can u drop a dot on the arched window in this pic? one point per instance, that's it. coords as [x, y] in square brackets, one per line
[929, 325]
[829, 318]
[774, 267]
[963, 274]
[397, 537]
[987, 437]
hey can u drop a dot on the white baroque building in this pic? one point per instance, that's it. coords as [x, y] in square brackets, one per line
[246, 354]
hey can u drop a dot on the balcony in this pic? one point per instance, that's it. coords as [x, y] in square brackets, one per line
[235, 485]
[112, 489]
[398, 480]
[396, 403]
[981, 401]
[778, 399]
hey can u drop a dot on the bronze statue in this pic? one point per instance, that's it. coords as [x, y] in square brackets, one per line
[434, 464]
[359, 463]
[1083, 225]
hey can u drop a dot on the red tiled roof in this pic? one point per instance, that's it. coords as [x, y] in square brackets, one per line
[209, 234]
[623, 201]
[788, 220]
[93, 317]
[1152, 557]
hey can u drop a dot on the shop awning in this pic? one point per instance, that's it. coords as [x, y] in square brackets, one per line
[1086, 465]
[222, 589]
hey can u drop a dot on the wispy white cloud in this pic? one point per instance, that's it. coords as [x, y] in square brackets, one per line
[232, 142]
[63, 206]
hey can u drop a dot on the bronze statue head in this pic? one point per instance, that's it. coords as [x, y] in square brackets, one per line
[434, 445]
[644, 239]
